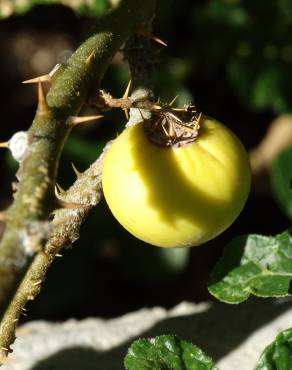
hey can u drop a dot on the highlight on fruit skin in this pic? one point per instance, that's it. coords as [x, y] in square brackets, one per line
[177, 197]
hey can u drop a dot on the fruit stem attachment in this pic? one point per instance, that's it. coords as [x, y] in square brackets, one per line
[172, 127]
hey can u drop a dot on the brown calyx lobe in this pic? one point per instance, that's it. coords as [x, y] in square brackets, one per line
[173, 127]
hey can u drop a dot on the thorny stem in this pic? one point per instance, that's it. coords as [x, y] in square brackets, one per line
[66, 225]
[23, 258]
[141, 56]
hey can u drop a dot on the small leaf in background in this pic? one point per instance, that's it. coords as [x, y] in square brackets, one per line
[92, 8]
[278, 355]
[281, 175]
[249, 42]
[240, 74]
[166, 352]
[253, 264]
[86, 7]
[159, 264]
[268, 88]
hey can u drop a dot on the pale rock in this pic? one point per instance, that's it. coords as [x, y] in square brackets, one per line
[234, 336]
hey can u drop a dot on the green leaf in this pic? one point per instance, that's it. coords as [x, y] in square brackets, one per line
[253, 264]
[159, 264]
[268, 86]
[278, 355]
[89, 7]
[281, 175]
[86, 7]
[241, 75]
[166, 352]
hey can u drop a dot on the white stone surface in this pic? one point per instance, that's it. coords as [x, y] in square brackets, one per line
[234, 336]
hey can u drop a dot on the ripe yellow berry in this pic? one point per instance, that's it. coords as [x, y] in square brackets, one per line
[176, 197]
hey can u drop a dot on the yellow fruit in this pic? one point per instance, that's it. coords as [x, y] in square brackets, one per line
[176, 197]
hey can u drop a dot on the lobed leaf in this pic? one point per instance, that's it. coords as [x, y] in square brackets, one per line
[166, 352]
[253, 264]
[278, 355]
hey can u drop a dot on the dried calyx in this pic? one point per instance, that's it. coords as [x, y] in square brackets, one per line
[167, 127]
[172, 127]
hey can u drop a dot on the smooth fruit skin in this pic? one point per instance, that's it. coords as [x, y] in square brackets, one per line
[177, 197]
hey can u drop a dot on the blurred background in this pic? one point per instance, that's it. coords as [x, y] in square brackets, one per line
[233, 59]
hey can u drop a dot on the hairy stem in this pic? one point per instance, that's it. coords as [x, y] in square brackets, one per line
[27, 229]
[66, 225]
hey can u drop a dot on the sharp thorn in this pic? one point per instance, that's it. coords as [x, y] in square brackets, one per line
[199, 118]
[126, 111]
[43, 78]
[58, 255]
[38, 282]
[4, 145]
[126, 93]
[173, 100]
[150, 36]
[75, 120]
[54, 70]
[58, 189]
[156, 107]
[126, 96]
[77, 173]
[90, 58]
[35, 80]
[165, 131]
[42, 103]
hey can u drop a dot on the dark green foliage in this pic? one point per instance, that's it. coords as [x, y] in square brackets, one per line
[251, 41]
[253, 264]
[166, 352]
[278, 355]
